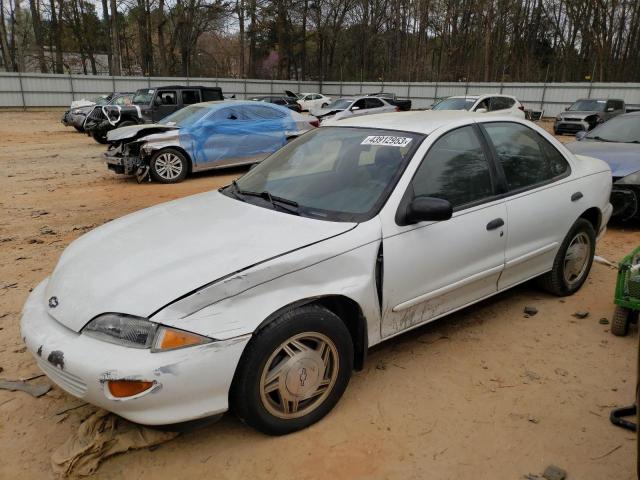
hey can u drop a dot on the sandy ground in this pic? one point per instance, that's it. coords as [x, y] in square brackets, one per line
[485, 393]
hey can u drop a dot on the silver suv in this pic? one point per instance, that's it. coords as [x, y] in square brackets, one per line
[586, 114]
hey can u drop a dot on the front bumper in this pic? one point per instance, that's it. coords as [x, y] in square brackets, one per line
[190, 383]
[122, 163]
[571, 126]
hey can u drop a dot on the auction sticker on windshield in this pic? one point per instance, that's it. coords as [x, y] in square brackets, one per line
[388, 140]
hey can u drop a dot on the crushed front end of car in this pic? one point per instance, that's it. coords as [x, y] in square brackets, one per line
[130, 148]
[625, 196]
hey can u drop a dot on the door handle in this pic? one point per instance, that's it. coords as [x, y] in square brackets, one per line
[576, 196]
[495, 223]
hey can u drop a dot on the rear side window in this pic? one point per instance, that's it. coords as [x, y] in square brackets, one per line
[190, 96]
[167, 97]
[374, 103]
[261, 112]
[501, 103]
[209, 95]
[526, 158]
[455, 169]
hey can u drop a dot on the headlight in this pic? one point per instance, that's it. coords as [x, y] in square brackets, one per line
[77, 112]
[138, 332]
[122, 329]
[631, 179]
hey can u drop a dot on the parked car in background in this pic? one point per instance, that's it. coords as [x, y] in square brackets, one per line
[312, 101]
[77, 112]
[492, 104]
[586, 114]
[347, 107]
[289, 102]
[148, 105]
[204, 136]
[80, 115]
[265, 295]
[403, 104]
[617, 142]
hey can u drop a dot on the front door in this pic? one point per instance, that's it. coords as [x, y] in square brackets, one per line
[168, 103]
[431, 268]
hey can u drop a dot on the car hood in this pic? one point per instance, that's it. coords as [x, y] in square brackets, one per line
[141, 262]
[578, 114]
[623, 158]
[83, 102]
[137, 131]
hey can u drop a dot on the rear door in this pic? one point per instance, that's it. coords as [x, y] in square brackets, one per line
[540, 208]
[189, 97]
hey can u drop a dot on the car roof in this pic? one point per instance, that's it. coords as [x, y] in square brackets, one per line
[218, 104]
[190, 87]
[419, 121]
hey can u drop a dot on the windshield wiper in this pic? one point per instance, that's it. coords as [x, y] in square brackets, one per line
[277, 202]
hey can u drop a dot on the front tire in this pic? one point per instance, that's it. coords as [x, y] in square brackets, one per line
[573, 261]
[168, 166]
[293, 371]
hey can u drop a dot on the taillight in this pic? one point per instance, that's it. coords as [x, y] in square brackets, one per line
[521, 107]
[397, 109]
[315, 123]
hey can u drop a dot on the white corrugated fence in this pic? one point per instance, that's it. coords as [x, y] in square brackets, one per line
[51, 90]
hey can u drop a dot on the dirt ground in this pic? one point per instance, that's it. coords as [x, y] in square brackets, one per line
[483, 394]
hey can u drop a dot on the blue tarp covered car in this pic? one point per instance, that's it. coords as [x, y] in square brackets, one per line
[617, 142]
[203, 136]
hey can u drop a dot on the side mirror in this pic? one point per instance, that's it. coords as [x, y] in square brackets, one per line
[423, 209]
[609, 109]
[481, 110]
[157, 101]
[353, 109]
[580, 135]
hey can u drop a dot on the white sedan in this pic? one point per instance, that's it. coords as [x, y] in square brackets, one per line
[309, 101]
[265, 295]
[348, 107]
[491, 104]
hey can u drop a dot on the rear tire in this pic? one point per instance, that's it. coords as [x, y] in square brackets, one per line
[293, 371]
[620, 321]
[168, 166]
[573, 261]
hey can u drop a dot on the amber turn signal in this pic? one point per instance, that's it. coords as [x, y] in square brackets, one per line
[128, 388]
[169, 338]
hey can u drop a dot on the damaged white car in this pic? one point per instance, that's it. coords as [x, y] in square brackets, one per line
[265, 295]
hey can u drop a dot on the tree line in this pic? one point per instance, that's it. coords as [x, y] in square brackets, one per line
[388, 40]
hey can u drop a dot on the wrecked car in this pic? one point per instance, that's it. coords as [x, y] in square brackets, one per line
[348, 107]
[489, 104]
[147, 106]
[587, 114]
[617, 142]
[263, 296]
[78, 110]
[204, 136]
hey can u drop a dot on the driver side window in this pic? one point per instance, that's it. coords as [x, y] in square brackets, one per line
[455, 169]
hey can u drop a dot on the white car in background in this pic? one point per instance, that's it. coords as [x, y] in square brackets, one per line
[265, 295]
[348, 107]
[309, 101]
[492, 104]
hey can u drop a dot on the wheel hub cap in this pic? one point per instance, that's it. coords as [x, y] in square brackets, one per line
[168, 166]
[577, 258]
[299, 375]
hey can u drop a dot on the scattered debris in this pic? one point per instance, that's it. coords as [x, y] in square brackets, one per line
[99, 437]
[531, 311]
[33, 390]
[39, 213]
[603, 321]
[604, 261]
[581, 314]
[531, 375]
[554, 473]
[606, 454]
[35, 240]
[7, 239]
[9, 285]
[561, 371]
[533, 419]
[47, 230]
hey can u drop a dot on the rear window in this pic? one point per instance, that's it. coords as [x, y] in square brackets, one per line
[455, 104]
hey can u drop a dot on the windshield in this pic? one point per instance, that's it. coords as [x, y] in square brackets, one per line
[340, 104]
[588, 106]
[101, 100]
[455, 104]
[143, 97]
[186, 116]
[333, 173]
[619, 129]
